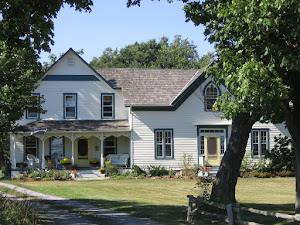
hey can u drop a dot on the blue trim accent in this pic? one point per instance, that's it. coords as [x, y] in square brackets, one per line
[268, 145]
[75, 105]
[113, 105]
[198, 145]
[38, 117]
[70, 78]
[71, 50]
[219, 93]
[172, 136]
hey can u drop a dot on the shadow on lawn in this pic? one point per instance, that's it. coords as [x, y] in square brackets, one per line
[164, 214]
[280, 208]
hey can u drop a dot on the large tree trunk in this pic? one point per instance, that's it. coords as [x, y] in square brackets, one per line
[226, 179]
[291, 110]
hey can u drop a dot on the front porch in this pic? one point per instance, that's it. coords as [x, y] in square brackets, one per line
[78, 140]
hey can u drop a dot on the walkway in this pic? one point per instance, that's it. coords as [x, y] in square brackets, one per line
[113, 216]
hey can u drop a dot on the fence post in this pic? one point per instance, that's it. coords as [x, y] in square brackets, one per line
[238, 212]
[230, 214]
[190, 208]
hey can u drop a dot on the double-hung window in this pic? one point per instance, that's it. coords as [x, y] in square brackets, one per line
[260, 142]
[164, 143]
[107, 106]
[70, 106]
[211, 95]
[31, 146]
[33, 112]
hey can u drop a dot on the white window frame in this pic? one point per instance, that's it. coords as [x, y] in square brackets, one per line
[212, 96]
[114, 147]
[65, 106]
[112, 105]
[163, 143]
[34, 106]
[260, 142]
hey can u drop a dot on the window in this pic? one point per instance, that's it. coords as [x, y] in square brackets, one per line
[222, 143]
[32, 112]
[57, 146]
[109, 145]
[70, 106]
[107, 107]
[31, 146]
[211, 95]
[202, 145]
[260, 142]
[71, 61]
[164, 143]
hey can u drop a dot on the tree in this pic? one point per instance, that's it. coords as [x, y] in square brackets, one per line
[257, 48]
[26, 28]
[179, 54]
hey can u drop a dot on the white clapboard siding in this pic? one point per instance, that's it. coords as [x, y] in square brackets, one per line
[88, 93]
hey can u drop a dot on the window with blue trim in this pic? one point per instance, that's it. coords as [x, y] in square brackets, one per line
[164, 143]
[33, 112]
[107, 106]
[70, 106]
[260, 142]
[211, 95]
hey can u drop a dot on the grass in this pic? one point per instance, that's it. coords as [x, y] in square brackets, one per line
[161, 200]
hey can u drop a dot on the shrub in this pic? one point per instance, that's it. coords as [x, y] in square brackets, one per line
[171, 172]
[94, 161]
[157, 171]
[65, 174]
[137, 171]
[205, 184]
[16, 212]
[286, 173]
[110, 169]
[46, 179]
[282, 155]
[246, 165]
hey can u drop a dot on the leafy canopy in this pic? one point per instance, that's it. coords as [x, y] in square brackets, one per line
[26, 28]
[179, 54]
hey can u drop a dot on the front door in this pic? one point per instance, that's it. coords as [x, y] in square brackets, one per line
[82, 152]
[212, 151]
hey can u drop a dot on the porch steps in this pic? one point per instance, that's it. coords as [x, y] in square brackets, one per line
[89, 175]
[213, 171]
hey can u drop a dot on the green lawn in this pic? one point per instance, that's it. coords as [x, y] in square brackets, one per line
[161, 200]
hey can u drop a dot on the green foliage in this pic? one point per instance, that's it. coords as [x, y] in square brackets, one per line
[26, 30]
[65, 174]
[65, 161]
[205, 185]
[156, 171]
[246, 165]
[282, 156]
[137, 171]
[110, 169]
[171, 172]
[17, 212]
[94, 161]
[179, 54]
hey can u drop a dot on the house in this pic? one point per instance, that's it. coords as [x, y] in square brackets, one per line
[156, 116]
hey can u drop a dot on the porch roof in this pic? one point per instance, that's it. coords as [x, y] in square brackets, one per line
[78, 125]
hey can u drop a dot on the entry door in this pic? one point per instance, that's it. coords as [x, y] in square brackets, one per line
[212, 151]
[82, 152]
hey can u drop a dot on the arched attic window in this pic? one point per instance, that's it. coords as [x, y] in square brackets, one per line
[211, 94]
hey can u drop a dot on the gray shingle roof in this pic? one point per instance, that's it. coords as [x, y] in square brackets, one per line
[78, 125]
[150, 87]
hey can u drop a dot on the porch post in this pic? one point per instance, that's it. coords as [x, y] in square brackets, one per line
[43, 154]
[131, 150]
[101, 151]
[13, 153]
[73, 149]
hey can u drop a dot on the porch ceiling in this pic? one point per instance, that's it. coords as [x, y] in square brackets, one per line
[78, 125]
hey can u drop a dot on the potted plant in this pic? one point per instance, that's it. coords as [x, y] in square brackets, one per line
[94, 162]
[66, 162]
[206, 167]
[50, 164]
[102, 170]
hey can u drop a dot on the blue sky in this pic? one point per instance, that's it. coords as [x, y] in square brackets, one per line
[112, 24]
